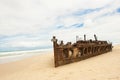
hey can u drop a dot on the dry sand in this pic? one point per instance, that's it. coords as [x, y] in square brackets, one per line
[102, 67]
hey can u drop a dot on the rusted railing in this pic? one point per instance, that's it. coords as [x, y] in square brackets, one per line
[82, 49]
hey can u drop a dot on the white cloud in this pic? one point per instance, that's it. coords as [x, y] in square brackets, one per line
[17, 16]
[37, 18]
[27, 44]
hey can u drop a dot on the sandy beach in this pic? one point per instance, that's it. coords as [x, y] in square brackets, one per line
[41, 67]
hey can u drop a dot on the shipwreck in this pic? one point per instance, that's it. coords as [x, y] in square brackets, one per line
[80, 50]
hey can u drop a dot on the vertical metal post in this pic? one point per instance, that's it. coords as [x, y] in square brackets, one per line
[95, 37]
[84, 37]
[54, 40]
[77, 38]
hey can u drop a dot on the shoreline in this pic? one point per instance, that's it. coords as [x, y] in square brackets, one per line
[19, 55]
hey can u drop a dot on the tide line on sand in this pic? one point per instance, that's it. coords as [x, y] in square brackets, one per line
[6, 57]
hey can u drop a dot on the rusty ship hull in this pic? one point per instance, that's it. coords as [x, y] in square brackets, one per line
[82, 49]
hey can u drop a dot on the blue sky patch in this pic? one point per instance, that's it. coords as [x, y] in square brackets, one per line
[86, 11]
[59, 26]
[77, 25]
[118, 10]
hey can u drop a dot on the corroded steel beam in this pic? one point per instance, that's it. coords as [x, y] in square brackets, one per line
[82, 49]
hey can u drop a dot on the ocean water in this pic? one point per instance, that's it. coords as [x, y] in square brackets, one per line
[6, 57]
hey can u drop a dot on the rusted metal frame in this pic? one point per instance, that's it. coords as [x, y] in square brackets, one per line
[85, 48]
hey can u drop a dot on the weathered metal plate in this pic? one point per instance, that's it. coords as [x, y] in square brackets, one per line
[82, 49]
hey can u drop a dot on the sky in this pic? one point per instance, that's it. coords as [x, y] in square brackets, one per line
[30, 24]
